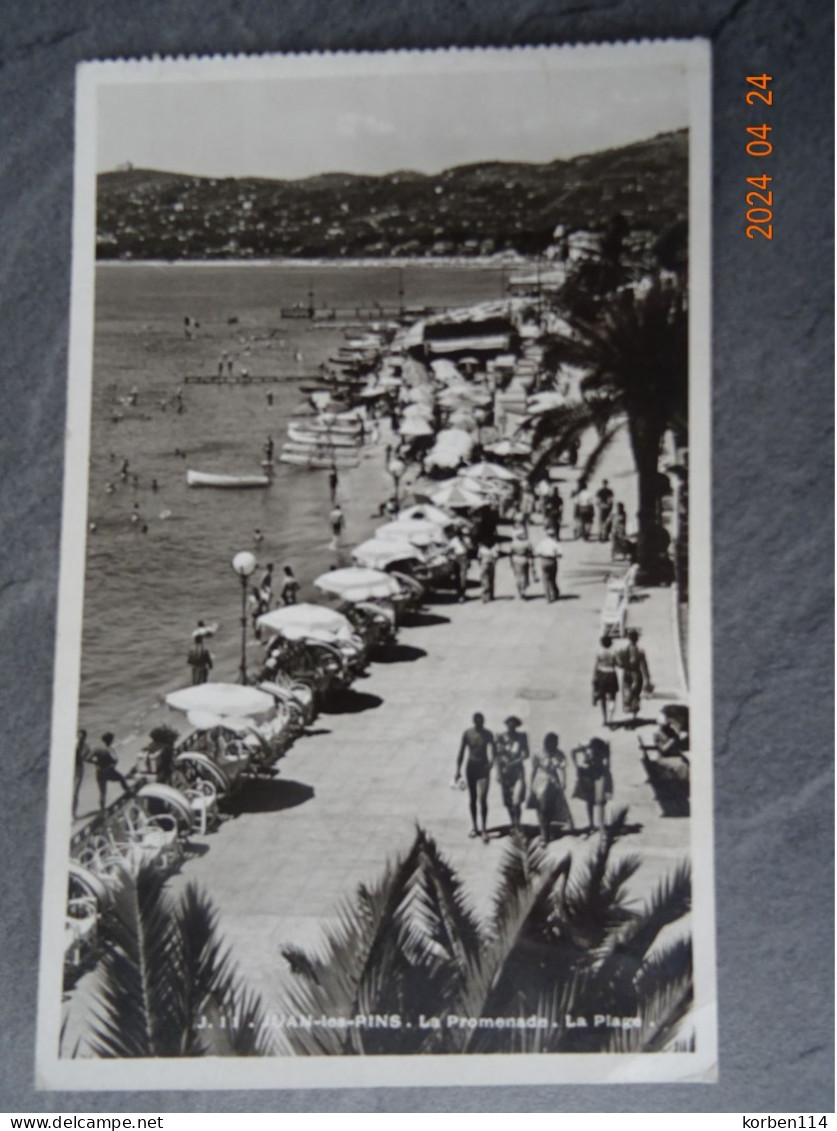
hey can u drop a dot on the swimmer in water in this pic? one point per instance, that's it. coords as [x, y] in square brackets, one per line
[258, 537]
[135, 481]
[155, 487]
[109, 488]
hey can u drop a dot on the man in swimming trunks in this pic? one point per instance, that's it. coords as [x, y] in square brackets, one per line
[478, 744]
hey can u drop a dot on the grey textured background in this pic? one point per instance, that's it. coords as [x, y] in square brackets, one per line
[773, 412]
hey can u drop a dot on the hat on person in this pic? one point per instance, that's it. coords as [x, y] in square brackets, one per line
[512, 721]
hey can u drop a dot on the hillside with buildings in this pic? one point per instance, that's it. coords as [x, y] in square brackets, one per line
[483, 209]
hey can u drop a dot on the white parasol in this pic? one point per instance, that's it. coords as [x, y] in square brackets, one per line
[358, 584]
[298, 622]
[226, 699]
[378, 553]
[208, 720]
[429, 512]
[457, 496]
[417, 531]
[415, 426]
[487, 470]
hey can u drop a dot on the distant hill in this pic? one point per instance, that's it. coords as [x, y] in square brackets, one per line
[478, 209]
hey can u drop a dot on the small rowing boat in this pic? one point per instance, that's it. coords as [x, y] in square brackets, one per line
[321, 437]
[210, 479]
[301, 456]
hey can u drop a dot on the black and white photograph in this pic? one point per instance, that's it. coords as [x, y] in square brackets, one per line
[383, 706]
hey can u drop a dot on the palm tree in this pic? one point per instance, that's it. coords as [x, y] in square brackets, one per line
[164, 987]
[408, 968]
[636, 352]
[557, 945]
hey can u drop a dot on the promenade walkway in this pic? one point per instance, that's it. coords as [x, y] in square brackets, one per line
[351, 792]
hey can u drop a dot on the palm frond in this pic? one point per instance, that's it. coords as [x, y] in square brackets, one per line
[670, 901]
[499, 982]
[666, 994]
[136, 1011]
[606, 438]
[209, 984]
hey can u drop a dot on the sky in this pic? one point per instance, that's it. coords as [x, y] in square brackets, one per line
[426, 115]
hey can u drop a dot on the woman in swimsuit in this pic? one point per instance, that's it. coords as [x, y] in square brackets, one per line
[511, 749]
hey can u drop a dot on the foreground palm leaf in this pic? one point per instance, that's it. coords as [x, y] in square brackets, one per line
[164, 987]
[557, 947]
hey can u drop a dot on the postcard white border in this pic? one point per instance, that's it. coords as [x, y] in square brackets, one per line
[53, 1072]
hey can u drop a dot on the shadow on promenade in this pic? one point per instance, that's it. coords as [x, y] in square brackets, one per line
[271, 796]
[350, 702]
[423, 620]
[398, 653]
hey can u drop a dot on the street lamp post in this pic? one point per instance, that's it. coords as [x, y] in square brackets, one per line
[397, 468]
[243, 564]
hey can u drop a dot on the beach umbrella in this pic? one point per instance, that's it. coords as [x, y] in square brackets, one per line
[453, 446]
[357, 584]
[227, 699]
[491, 489]
[417, 412]
[415, 426]
[486, 470]
[378, 553]
[429, 512]
[295, 622]
[208, 720]
[457, 496]
[505, 449]
[416, 531]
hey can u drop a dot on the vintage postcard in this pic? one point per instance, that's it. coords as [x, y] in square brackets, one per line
[382, 720]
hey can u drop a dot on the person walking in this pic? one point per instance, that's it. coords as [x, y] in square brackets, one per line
[522, 561]
[477, 751]
[548, 553]
[337, 520]
[487, 561]
[605, 680]
[553, 508]
[593, 783]
[547, 790]
[82, 756]
[511, 749]
[459, 551]
[104, 759]
[619, 533]
[584, 511]
[256, 607]
[604, 505]
[290, 587]
[333, 482]
[200, 661]
[635, 675]
[266, 585]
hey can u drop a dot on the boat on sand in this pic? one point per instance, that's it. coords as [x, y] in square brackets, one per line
[300, 455]
[211, 479]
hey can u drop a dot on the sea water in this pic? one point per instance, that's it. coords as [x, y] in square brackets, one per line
[145, 591]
